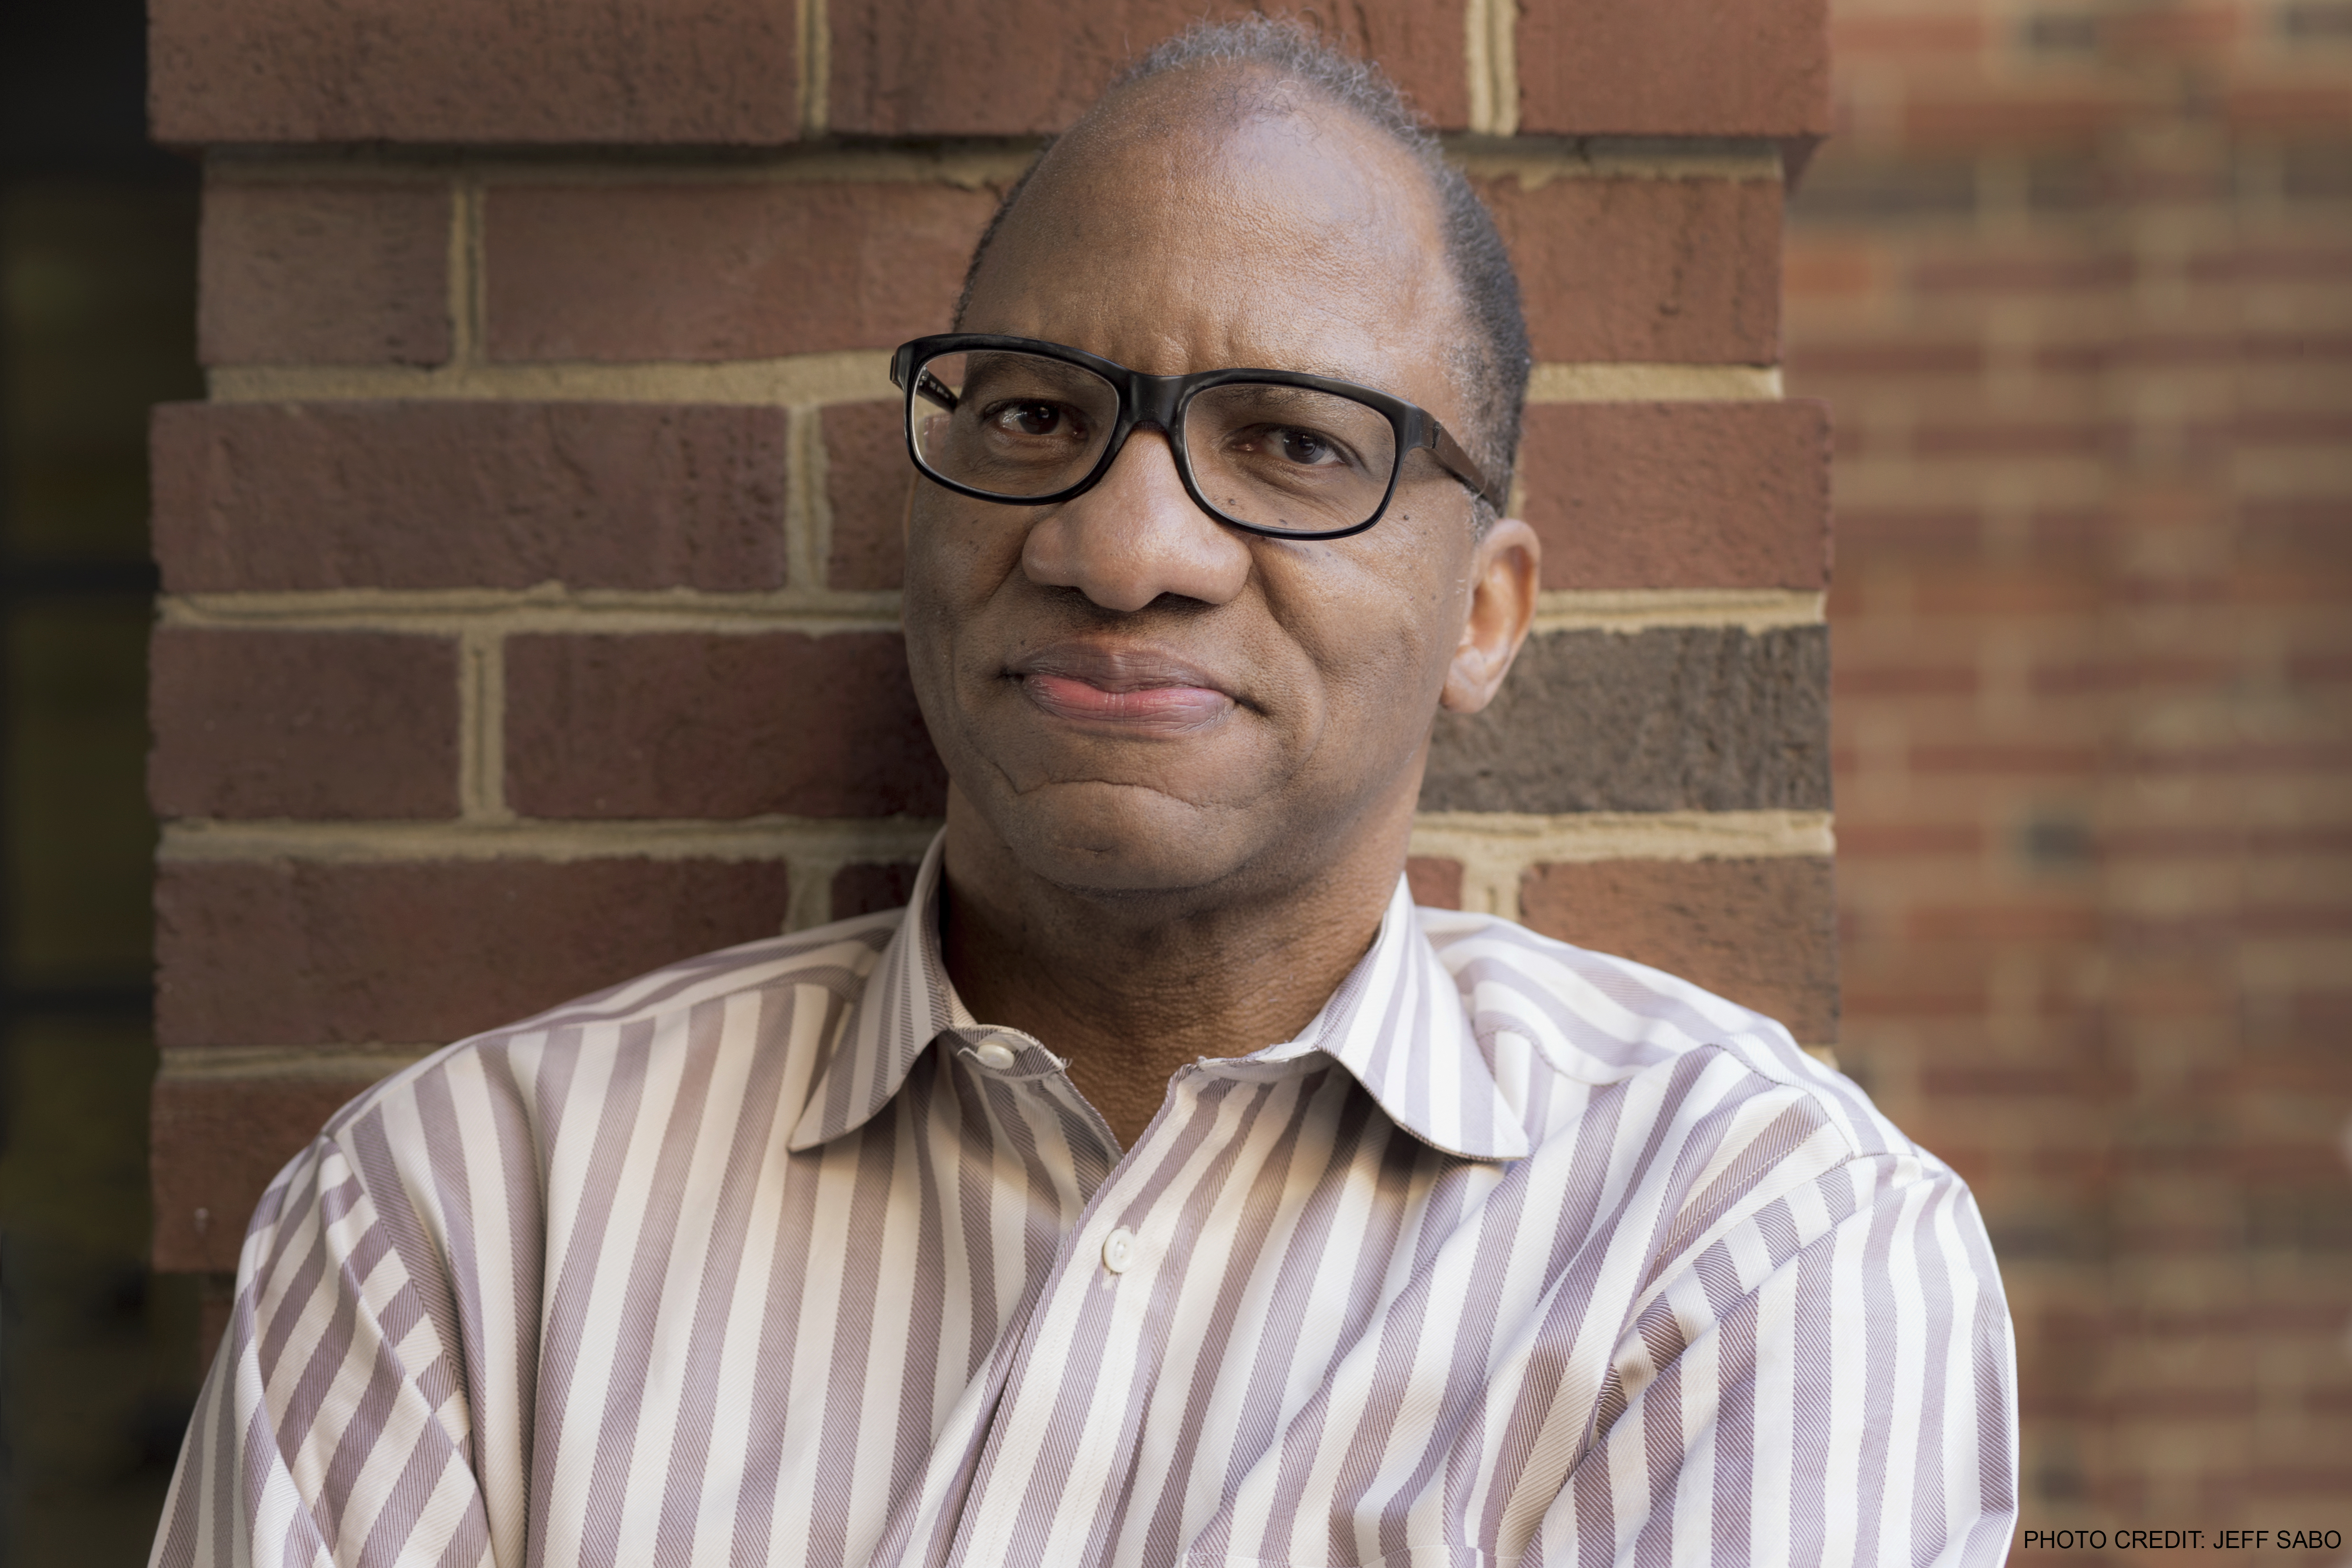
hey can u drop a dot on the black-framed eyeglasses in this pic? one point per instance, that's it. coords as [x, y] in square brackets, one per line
[1274, 451]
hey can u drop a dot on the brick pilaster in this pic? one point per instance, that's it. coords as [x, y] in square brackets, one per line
[548, 418]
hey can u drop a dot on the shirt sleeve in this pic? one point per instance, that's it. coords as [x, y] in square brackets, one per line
[336, 1426]
[1831, 1380]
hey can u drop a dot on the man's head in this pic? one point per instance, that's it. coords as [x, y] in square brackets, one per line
[1133, 698]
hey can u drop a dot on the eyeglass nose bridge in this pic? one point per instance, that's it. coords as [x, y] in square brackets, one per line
[1151, 403]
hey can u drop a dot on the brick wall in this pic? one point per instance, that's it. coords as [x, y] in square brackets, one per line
[545, 503]
[2078, 280]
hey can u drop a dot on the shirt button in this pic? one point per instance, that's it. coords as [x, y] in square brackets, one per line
[1118, 1251]
[996, 1056]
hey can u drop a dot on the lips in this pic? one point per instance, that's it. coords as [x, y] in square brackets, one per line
[1135, 691]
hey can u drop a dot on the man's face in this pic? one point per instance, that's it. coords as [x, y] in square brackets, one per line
[1132, 697]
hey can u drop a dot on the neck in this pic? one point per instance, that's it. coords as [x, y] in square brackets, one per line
[1131, 987]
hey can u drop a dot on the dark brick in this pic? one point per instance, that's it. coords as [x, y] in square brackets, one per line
[1673, 719]
[1844, 190]
[352, 274]
[297, 723]
[696, 725]
[862, 888]
[259, 496]
[1672, 271]
[1762, 932]
[1435, 882]
[1680, 495]
[452, 71]
[901, 67]
[218, 1143]
[2317, 171]
[298, 953]
[1674, 67]
[709, 271]
[866, 476]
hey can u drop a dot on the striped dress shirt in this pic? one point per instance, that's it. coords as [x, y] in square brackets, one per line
[1519, 1254]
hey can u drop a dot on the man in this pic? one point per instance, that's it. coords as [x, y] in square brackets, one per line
[1161, 1187]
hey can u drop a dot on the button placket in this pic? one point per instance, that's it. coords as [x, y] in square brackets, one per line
[1091, 1307]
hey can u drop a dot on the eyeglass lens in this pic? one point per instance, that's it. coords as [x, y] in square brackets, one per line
[1288, 459]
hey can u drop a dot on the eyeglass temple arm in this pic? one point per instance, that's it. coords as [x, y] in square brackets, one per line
[1457, 463]
[932, 387]
[927, 385]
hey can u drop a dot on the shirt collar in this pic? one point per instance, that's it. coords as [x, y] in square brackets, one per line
[1397, 1023]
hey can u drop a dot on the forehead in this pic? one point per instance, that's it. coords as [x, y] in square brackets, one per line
[1187, 229]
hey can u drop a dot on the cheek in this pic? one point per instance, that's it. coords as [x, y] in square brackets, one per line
[955, 563]
[1382, 640]
[942, 548]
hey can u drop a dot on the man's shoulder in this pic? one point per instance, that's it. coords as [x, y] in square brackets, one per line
[834, 960]
[837, 958]
[1598, 1020]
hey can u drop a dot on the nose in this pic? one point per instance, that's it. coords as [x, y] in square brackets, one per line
[1138, 535]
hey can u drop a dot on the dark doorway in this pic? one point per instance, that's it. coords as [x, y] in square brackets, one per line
[97, 323]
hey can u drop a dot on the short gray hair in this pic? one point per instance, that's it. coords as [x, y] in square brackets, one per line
[1494, 360]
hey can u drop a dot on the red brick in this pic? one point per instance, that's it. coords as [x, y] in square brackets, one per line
[1691, 495]
[2273, 428]
[2301, 347]
[2104, 675]
[349, 274]
[440, 71]
[1673, 271]
[2325, 108]
[1879, 534]
[2025, 759]
[1435, 881]
[2006, 592]
[1674, 67]
[1876, 841]
[1993, 118]
[1954, 35]
[2041, 438]
[306, 725]
[2203, 840]
[2060, 271]
[696, 725]
[1865, 1002]
[267, 497]
[2176, 31]
[866, 477]
[2313, 262]
[1878, 360]
[299, 953]
[1020, 68]
[718, 272]
[1814, 268]
[2241, 759]
[217, 1142]
[1847, 680]
[862, 888]
[2021, 1082]
[1759, 931]
[1995, 921]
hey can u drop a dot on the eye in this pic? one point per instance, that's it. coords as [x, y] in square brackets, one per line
[1308, 448]
[1035, 417]
[1292, 445]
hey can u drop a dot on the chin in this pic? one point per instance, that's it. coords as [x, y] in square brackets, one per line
[1117, 841]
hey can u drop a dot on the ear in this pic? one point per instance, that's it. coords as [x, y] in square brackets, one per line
[1504, 570]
